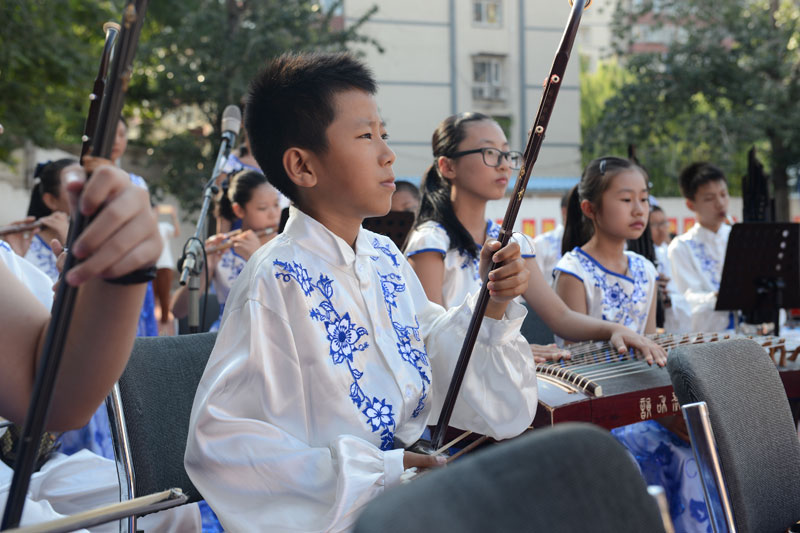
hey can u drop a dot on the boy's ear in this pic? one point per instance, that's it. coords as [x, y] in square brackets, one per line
[690, 204]
[238, 210]
[446, 167]
[587, 209]
[299, 166]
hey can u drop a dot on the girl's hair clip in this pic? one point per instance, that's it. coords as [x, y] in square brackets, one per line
[603, 163]
[39, 168]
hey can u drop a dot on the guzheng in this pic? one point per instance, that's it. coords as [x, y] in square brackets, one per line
[600, 386]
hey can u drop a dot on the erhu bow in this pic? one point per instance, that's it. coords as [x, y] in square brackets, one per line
[552, 85]
[104, 113]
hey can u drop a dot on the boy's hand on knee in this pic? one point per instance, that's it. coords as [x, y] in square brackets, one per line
[123, 236]
[421, 461]
[509, 279]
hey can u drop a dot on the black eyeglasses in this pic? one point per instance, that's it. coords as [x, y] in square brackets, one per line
[492, 157]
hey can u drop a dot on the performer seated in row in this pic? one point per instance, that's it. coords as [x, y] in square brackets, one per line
[122, 238]
[49, 205]
[697, 256]
[677, 311]
[405, 197]
[248, 197]
[548, 244]
[472, 165]
[330, 355]
[598, 277]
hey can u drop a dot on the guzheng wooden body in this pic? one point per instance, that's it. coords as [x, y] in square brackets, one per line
[597, 386]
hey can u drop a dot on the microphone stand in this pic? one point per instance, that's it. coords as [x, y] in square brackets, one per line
[194, 254]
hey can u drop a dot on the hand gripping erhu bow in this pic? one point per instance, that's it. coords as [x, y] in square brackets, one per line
[101, 126]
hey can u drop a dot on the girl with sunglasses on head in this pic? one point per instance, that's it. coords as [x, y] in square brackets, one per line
[473, 165]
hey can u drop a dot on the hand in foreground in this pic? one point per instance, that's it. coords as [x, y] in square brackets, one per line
[551, 352]
[510, 278]
[625, 338]
[123, 236]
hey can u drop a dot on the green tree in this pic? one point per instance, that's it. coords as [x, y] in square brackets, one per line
[729, 79]
[197, 56]
[46, 68]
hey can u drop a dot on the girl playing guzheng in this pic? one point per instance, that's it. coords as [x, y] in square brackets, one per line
[471, 167]
[598, 277]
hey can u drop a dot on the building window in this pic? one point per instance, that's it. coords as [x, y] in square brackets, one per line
[487, 12]
[487, 78]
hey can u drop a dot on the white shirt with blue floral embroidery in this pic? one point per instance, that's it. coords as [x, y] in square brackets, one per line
[548, 251]
[41, 255]
[623, 299]
[228, 269]
[696, 261]
[461, 276]
[327, 357]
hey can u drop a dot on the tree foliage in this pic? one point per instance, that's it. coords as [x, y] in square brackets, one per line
[728, 79]
[197, 56]
[46, 71]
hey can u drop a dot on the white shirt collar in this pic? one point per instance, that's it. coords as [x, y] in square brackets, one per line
[314, 236]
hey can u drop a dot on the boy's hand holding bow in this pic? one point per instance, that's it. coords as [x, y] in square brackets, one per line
[508, 280]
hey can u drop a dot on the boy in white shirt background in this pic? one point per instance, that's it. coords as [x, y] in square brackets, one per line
[697, 257]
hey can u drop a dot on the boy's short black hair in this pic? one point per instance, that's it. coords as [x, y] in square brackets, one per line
[290, 104]
[403, 185]
[696, 175]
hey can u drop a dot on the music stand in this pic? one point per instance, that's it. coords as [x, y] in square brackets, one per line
[395, 224]
[762, 269]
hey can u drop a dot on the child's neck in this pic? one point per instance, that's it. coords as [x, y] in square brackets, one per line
[608, 251]
[713, 228]
[471, 212]
[339, 224]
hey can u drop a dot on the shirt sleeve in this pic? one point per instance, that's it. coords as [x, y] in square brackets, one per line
[34, 279]
[248, 453]
[526, 245]
[498, 396]
[568, 265]
[428, 237]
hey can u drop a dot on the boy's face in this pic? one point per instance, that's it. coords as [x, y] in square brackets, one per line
[355, 176]
[710, 204]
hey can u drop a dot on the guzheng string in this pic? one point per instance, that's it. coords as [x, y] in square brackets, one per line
[594, 362]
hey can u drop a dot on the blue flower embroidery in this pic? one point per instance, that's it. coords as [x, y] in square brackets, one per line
[624, 299]
[231, 265]
[344, 337]
[391, 284]
[387, 251]
[379, 413]
[708, 264]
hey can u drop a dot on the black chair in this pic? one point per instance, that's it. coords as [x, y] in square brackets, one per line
[759, 451]
[212, 313]
[150, 411]
[572, 477]
[535, 330]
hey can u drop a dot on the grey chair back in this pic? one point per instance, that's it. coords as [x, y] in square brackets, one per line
[157, 391]
[572, 477]
[753, 426]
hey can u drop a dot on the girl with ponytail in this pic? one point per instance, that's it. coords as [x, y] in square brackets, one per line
[50, 205]
[598, 276]
[472, 165]
[247, 196]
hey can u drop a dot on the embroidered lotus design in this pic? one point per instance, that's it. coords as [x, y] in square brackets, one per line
[379, 413]
[343, 335]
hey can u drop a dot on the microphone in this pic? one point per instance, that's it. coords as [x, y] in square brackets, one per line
[231, 123]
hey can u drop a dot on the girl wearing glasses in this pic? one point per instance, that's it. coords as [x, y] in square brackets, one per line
[472, 165]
